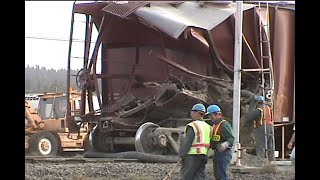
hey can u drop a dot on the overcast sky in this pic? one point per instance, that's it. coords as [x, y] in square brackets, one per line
[47, 31]
[51, 20]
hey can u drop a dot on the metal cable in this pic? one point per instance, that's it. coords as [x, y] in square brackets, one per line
[56, 39]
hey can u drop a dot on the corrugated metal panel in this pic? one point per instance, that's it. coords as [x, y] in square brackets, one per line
[123, 10]
[174, 20]
[93, 8]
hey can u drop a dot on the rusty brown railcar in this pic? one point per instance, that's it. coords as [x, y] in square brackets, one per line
[159, 58]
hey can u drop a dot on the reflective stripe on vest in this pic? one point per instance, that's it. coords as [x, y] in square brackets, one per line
[201, 142]
[266, 115]
[215, 136]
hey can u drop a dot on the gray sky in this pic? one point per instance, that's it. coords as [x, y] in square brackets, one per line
[51, 20]
[46, 20]
[42, 20]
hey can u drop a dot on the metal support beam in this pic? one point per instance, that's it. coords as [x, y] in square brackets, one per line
[237, 79]
[282, 142]
[69, 64]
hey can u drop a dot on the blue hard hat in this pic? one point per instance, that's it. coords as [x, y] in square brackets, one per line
[213, 109]
[199, 107]
[260, 98]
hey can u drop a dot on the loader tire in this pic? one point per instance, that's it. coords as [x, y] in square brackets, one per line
[43, 144]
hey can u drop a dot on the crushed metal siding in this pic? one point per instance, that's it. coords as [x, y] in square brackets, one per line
[174, 20]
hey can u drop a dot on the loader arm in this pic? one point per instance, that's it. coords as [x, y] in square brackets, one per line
[34, 120]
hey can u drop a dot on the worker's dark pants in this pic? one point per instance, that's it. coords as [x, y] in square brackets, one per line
[221, 162]
[193, 166]
[260, 141]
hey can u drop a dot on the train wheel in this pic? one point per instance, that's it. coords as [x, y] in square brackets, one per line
[144, 142]
[98, 141]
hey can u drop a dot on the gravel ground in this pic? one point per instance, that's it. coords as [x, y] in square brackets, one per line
[135, 171]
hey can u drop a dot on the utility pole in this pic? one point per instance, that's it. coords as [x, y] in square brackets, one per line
[237, 80]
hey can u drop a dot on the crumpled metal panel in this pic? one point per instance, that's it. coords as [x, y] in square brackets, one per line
[175, 2]
[174, 20]
[223, 38]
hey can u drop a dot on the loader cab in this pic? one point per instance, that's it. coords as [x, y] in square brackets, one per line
[52, 109]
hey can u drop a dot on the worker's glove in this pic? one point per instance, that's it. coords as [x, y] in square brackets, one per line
[223, 146]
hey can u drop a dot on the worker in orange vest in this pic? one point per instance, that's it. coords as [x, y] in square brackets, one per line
[260, 117]
[222, 140]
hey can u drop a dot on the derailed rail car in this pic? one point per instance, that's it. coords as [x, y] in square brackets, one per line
[160, 58]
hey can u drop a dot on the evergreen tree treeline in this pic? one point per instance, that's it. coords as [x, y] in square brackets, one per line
[38, 80]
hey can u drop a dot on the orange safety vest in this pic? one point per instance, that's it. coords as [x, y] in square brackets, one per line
[216, 134]
[266, 116]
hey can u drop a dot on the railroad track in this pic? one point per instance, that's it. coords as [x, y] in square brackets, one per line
[67, 160]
